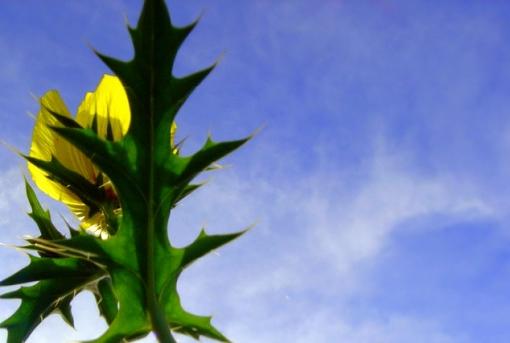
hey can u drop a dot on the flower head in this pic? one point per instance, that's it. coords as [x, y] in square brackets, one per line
[107, 112]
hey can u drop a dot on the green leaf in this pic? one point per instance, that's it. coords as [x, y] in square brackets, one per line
[41, 268]
[186, 323]
[72, 231]
[205, 157]
[40, 216]
[64, 308]
[131, 319]
[46, 267]
[205, 244]
[183, 87]
[187, 190]
[37, 302]
[106, 300]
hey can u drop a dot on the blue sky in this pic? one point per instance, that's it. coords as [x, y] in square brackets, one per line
[379, 182]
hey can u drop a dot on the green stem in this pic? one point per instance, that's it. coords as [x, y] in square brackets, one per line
[157, 316]
[158, 320]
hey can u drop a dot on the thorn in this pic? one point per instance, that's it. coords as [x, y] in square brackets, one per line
[126, 19]
[181, 142]
[35, 97]
[251, 226]
[89, 45]
[224, 166]
[220, 58]
[15, 247]
[204, 182]
[10, 147]
[258, 130]
[217, 166]
[31, 115]
[200, 16]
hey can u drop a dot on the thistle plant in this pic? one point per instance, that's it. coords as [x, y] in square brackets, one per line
[116, 166]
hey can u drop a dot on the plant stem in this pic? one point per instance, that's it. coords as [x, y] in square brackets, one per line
[157, 316]
[159, 324]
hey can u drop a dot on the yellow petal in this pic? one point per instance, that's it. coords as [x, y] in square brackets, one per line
[46, 143]
[109, 103]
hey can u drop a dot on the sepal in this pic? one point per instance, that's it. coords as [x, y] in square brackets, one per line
[88, 193]
[109, 157]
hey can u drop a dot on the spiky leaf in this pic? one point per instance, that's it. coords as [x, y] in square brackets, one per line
[106, 300]
[37, 302]
[43, 268]
[41, 217]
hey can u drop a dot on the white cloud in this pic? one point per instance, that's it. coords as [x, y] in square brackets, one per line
[353, 226]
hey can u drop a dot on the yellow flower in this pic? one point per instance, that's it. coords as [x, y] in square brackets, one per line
[106, 111]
